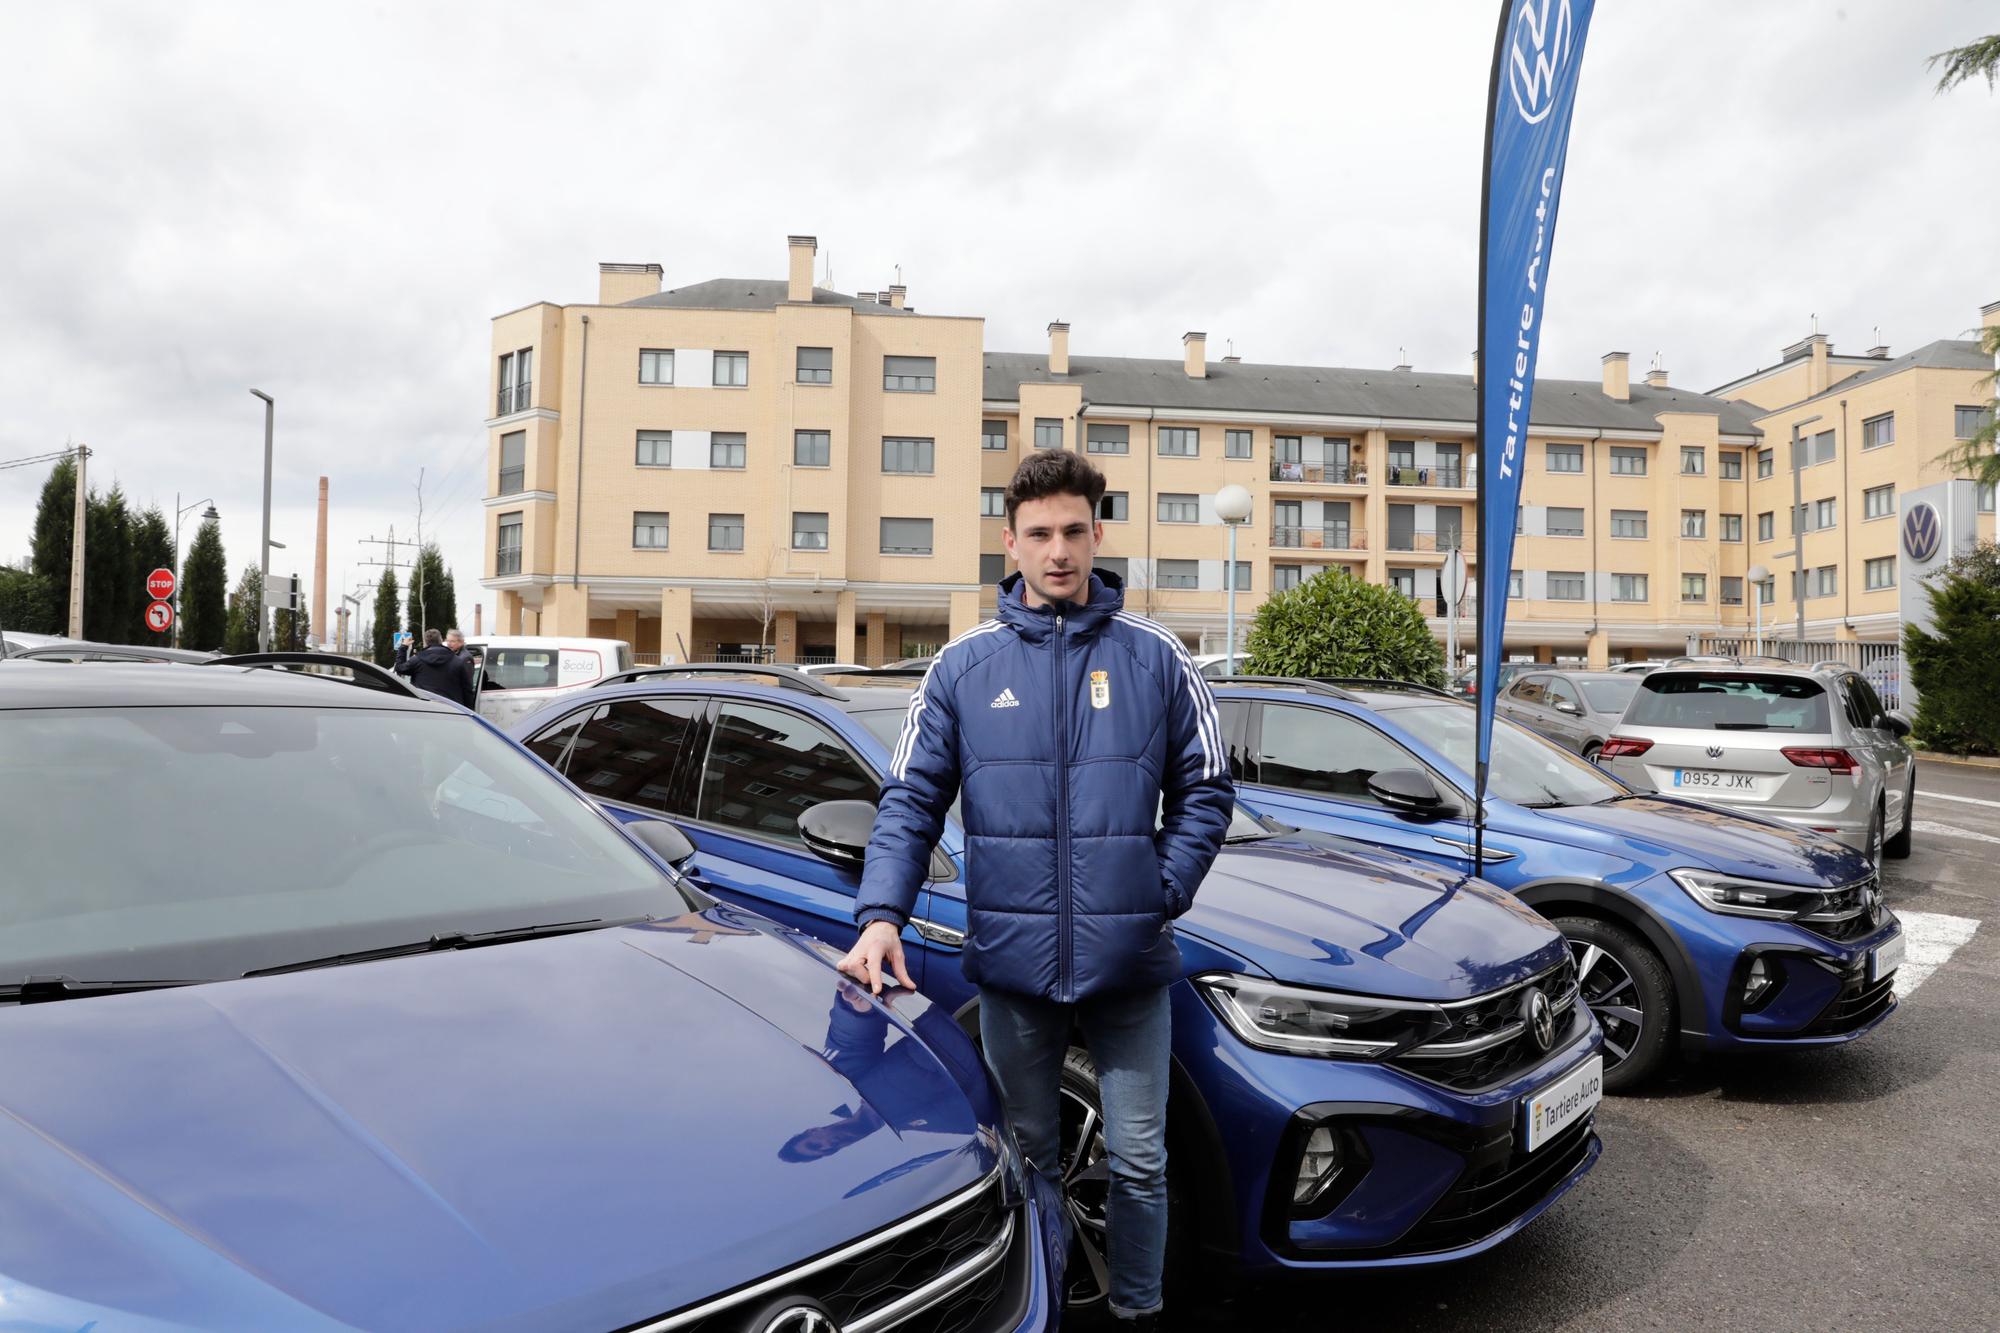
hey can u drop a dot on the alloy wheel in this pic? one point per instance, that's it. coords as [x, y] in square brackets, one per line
[1086, 1182]
[1607, 987]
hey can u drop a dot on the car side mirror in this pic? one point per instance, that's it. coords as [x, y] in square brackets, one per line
[1565, 706]
[665, 840]
[1893, 724]
[1406, 790]
[838, 831]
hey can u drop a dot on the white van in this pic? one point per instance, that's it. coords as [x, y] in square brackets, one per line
[519, 673]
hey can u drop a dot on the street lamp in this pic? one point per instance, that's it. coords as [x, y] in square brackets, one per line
[264, 551]
[179, 512]
[1799, 530]
[1757, 574]
[1232, 506]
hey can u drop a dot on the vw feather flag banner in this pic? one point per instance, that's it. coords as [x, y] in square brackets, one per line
[1528, 106]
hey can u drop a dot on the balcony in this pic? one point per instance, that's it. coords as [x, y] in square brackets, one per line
[513, 398]
[1452, 475]
[1437, 543]
[1326, 537]
[1331, 474]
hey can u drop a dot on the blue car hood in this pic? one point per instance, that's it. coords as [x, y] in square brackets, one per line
[576, 1132]
[1318, 910]
[1667, 832]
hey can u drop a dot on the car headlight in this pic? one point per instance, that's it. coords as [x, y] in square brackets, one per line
[1737, 896]
[1298, 1020]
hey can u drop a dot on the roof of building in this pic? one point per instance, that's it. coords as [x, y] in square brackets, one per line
[1944, 354]
[752, 294]
[1328, 391]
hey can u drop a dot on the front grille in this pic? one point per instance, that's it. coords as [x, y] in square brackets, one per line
[936, 1273]
[1488, 1042]
[1488, 1197]
[1851, 911]
[1859, 1003]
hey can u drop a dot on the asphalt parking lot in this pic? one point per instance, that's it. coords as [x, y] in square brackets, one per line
[1843, 1188]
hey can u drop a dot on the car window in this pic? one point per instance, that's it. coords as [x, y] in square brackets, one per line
[626, 751]
[1231, 713]
[1864, 705]
[1725, 702]
[551, 746]
[1527, 689]
[1321, 751]
[1610, 696]
[1527, 769]
[518, 669]
[766, 767]
[1561, 691]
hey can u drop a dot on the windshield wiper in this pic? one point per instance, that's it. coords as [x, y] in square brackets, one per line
[40, 990]
[451, 939]
[1741, 726]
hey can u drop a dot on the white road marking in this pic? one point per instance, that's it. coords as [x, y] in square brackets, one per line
[1931, 939]
[1946, 796]
[1948, 831]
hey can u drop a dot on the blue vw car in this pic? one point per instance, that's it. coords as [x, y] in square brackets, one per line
[360, 1018]
[1693, 928]
[1375, 1061]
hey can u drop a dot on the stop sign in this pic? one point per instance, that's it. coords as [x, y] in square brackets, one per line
[160, 617]
[160, 584]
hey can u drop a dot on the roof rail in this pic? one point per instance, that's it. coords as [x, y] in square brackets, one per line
[789, 677]
[1385, 683]
[897, 672]
[364, 673]
[1291, 682]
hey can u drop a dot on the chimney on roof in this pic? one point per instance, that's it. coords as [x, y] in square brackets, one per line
[1475, 367]
[1880, 351]
[1656, 378]
[881, 298]
[868, 297]
[1618, 376]
[1232, 360]
[1058, 348]
[1989, 316]
[898, 294]
[1194, 348]
[799, 287]
[619, 283]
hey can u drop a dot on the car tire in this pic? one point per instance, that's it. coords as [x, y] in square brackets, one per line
[1614, 968]
[1086, 1185]
[1591, 749]
[1898, 847]
[1872, 846]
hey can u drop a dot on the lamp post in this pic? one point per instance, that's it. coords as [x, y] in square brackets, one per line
[1799, 531]
[264, 549]
[179, 511]
[1232, 506]
[1757, 574]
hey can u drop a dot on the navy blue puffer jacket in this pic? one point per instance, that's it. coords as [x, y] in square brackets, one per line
[1065, 727]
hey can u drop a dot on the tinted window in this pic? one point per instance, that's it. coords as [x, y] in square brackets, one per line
[1729, 703]
[766, 767]
[1561, 691]
[1528, 689]
[1526, 770]
[1232, 713]
[1609, 696]
[1312, 749]
[1871, 703]
[552, 746]
[626, 751]
[519, 669]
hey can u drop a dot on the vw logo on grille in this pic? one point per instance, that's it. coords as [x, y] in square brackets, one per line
[1715, 752]
[801, 1319]
[1540, 1017]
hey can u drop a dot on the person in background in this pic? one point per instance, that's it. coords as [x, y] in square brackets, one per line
[437, 669]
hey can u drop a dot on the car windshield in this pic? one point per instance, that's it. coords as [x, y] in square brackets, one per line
[1728, 702]
[1609, 696]
[1526, 769]
[195, 843]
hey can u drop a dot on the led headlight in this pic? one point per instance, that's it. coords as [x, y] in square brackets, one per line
[1737, 896]
[1298, 1020]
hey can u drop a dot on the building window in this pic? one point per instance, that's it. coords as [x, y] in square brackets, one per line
[1766, 525]
[1290, 449]
[1824, 513]
[516, 380]
[909, 374]
[725, 532]
[1112, 564]
[1880, 573]
[1967, 422]
[1177, 573]
[649, 531]
[1986, 489]
[1764, 463]
[992, 568]
[1286, 577]
[1813, 449]
[1048, 433]
[1404, 581]
[1694, 587]
[728, 450]
[1694, 462]
[1694, 523]
[1732, 527]
[1628, 462]
[1561, 522]
[513, 462]
[812, 448]
[1567, 587]
[1628, 523]
[656, 366]
[507, 549]
[809, 532]
[1242, 576]
[1732, 590]
[1517, 586]
[1115, 507]
[1628, 587]
[1236, 444]
[732, 369]
[1179, 442]
[656, 448]
[1821, 582]
[1180, 508]
[815, 365]
[1563, 457]
[1767, 592]
[1878, 502]
[1107, 439]
[908, 455]
[993, 502]
[906, 536]
[1878, 431]
[1731, 465]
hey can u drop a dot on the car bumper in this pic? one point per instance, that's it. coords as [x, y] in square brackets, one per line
[1432, 1174]
[1828, 992]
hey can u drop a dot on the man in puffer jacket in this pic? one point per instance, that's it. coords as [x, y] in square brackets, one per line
[1096, 793]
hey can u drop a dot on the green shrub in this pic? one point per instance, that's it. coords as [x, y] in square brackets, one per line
[1334, 624]
[1956, 668]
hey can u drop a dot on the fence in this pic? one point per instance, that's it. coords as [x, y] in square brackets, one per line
[1880, 664]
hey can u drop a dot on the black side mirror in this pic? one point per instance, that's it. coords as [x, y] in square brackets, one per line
[1407, 790]
[666, 840]
[1892, 723]
[837, 831]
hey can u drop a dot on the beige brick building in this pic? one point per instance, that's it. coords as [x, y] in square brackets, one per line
[773, 466]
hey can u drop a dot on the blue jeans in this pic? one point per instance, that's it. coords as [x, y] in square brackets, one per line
[1129, 1036]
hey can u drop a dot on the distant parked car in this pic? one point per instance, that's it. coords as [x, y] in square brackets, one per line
[1217, 665]
[519, 673]
[1575, 709]
[832, 668]
[15, 641]
[1638, 668]
[1466, 682]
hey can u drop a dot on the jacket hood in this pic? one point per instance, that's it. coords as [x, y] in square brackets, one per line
[1669, 832]
[585, 1131]
[1037, 623]
[1317, 910]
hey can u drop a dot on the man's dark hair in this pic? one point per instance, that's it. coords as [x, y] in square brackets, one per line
[1049, 472]
[432, 638]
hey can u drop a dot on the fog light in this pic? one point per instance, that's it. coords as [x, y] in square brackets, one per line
[1758, 985]
[1318, 1165]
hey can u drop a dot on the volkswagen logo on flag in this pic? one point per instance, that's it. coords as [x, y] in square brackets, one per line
[1541, 46]
[1540, 1018]
[1922, 532]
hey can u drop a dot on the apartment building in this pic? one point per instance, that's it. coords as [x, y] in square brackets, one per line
[771, 466]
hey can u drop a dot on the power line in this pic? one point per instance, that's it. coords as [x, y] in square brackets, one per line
[33, 459]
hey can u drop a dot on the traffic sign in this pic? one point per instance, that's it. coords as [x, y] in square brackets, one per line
[160, 584]
[160, 617]
[1454, 582]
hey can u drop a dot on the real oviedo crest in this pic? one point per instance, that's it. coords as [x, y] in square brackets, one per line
[1100, 689]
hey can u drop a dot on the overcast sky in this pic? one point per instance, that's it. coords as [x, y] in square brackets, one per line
[330, 203]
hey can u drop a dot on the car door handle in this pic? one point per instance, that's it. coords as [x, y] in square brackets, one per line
[1465, 849]
[939, 934]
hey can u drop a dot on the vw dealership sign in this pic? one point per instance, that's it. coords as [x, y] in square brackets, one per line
[1922, 531]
